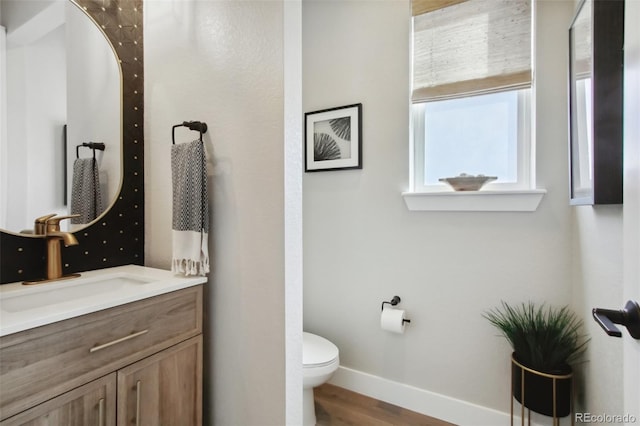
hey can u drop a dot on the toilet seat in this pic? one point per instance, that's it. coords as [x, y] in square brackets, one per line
[319, 361]
[317, 351]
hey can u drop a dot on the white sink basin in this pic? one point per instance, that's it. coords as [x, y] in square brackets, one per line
[72, 291]
[23, 307]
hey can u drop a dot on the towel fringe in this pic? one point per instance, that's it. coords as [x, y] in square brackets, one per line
[190, 266]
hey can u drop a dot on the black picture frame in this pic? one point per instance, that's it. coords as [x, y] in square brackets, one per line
[596, 65]
[333, 139]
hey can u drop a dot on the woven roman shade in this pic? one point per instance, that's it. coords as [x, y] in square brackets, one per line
[418, 7]
[470, 47]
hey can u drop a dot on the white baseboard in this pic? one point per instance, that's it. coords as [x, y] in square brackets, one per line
[425, 402]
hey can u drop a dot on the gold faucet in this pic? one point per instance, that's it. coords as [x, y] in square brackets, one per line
[48, 227]
[39, 227]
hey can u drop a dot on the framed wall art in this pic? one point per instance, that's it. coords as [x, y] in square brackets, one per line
[333, 138]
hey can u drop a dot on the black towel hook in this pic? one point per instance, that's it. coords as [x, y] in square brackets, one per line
[198, 126]
[93, 145]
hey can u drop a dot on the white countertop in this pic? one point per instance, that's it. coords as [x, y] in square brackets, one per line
[23, 307]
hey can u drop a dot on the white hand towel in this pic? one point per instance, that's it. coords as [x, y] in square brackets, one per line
[190, 209]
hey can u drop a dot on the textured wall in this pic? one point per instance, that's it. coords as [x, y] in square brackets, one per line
[222, 62]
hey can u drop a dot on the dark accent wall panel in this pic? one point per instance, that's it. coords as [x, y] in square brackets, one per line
[118, 237]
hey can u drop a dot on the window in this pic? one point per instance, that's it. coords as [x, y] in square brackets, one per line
[471, 95]
[485, 134]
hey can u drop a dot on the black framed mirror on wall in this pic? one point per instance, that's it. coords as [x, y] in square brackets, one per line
[116, 237]
[596, 66]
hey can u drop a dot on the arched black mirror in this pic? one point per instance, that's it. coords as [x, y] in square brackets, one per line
[116, 237]
[62, 94]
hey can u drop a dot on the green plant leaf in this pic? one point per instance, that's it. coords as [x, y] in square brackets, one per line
[543, 338]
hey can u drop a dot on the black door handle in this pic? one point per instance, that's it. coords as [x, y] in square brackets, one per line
[628, 317]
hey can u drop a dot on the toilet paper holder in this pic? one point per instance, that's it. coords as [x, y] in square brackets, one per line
[393, 302]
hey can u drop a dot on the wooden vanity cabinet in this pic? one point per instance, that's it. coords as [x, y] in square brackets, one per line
[140, 364]
[91, 404]
[163, 389]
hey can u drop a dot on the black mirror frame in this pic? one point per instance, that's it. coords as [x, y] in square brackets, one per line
[118, 238]
[607, 18]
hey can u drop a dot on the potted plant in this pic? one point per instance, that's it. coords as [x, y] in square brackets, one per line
[546, 341]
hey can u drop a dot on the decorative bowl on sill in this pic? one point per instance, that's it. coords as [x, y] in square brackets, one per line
[465, 182]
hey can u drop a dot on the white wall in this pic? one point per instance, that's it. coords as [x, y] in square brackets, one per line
[362, 246]
[293, 208]
[222, 62]
[36, 114]
[597, 262]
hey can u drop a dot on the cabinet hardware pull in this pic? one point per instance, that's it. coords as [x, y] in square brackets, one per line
[138, 388]
[101, 412]
[120, 340]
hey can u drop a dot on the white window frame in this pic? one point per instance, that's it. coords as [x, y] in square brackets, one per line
[523, 147]
[518, 196]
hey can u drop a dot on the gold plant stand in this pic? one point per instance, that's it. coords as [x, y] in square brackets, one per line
[554, 378]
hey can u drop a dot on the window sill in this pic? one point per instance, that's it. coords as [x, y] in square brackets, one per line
[475, 201]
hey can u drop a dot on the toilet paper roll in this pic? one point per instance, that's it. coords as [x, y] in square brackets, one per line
[392, 320]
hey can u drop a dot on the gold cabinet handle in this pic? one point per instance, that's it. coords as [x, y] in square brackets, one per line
[138, 389]
[120, 340]
[101, 412]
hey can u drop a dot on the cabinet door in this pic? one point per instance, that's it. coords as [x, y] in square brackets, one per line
[88, 405]
[163, 389]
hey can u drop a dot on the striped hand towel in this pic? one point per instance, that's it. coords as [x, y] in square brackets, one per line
[190, 209]
[86, 199]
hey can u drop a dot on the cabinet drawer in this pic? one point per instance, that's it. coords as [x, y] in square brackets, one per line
[41, 363]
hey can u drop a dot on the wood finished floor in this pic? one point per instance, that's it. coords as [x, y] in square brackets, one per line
[336, 406]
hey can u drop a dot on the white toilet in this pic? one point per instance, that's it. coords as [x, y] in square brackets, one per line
[320, 359]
